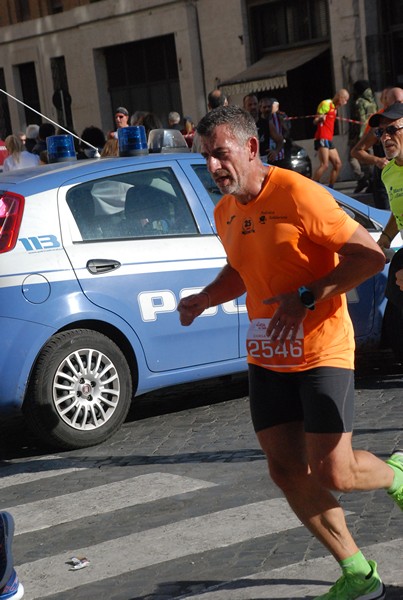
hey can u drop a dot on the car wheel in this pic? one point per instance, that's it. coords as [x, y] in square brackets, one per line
[80, 390]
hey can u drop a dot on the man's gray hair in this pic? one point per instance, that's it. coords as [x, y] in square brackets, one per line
[174, 117]
[241, 123]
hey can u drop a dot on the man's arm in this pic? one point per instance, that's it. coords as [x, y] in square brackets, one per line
[279, 139]
[389, 232]
[361, 257]
[226, 286]
[360, 151]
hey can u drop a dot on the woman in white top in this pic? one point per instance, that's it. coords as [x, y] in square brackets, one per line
[18, 158]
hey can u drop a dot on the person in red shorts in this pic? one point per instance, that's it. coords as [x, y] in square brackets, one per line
[295, 253]
[326, 114]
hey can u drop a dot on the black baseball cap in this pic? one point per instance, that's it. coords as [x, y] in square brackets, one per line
[122, 110]
[393, 112]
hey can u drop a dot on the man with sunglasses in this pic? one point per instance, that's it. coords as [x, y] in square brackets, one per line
[389, 130]
[121, 120]
[369, 151]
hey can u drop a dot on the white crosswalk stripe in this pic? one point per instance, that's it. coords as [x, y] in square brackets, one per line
[37, 469]
[150, 547]
[101, 499]
[153, 546]
[51, 575]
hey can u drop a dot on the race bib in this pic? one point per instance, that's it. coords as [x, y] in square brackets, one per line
[274, 354]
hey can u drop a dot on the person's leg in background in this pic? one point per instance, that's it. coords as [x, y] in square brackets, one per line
[10, 587]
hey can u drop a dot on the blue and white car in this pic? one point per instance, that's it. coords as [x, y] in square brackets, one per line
[94, 258]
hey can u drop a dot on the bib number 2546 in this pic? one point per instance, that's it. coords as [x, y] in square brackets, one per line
[266, 352]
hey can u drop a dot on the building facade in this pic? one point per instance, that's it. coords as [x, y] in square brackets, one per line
[75, 61]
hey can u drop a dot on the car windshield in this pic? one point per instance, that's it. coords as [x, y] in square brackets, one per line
[208, 182]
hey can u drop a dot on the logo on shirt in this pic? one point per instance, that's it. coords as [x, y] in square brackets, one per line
[232, 217]
[248, 227]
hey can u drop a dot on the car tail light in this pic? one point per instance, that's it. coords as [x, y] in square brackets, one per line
[11, 210]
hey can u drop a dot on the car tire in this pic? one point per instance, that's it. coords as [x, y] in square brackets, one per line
[80, 390]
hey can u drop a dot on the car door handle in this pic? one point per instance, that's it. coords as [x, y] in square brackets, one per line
[100, 265]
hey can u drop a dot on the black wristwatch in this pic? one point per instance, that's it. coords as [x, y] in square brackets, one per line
[307, 298]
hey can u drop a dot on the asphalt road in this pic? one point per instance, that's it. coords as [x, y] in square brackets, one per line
[178, 503]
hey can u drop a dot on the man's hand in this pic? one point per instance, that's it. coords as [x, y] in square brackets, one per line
[192, 306]
[381, 161]
[287, 318]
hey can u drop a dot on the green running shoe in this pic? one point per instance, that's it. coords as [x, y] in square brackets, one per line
[353, 587]
[396, 462]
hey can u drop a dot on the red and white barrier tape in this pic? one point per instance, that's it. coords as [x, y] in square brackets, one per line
[313, 116]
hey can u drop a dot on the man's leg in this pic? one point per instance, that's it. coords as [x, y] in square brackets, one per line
[335, 160]
[306, 466]
[323, 157]
[288, 452]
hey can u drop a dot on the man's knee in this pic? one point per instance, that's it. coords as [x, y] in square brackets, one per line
[334, 477]
[288, 476]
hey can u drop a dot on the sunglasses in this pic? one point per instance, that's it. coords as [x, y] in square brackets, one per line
[120, 116]
[390, 130]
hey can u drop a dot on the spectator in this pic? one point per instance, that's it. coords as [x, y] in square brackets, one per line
[266, 130]
[23, 137]
[364, 105]
[137, 116]
[44, 160]
[174, 121]
[18, 157]
[388, 126]
[121, 120]
[282, 127]
[45, 131]
[369, 151]
[215, 99]
[94, 136]
[188, 130]
[111, 148]
[151, 121]
[31, 134]
[3, 151]
[325, 119]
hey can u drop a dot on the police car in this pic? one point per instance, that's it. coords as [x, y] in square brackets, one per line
[94, 258]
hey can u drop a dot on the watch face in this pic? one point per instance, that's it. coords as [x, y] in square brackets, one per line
[307, 298]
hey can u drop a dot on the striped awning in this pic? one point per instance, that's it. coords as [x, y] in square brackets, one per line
[270, 72]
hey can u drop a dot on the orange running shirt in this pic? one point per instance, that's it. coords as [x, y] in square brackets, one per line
[289, 236]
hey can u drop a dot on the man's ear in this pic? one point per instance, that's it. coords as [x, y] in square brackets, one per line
[253, 143]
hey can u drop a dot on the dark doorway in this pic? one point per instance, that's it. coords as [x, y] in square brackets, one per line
[144, 76]
[30, 94]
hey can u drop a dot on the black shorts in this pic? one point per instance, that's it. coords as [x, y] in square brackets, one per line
[322, 143]
[321, 398]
